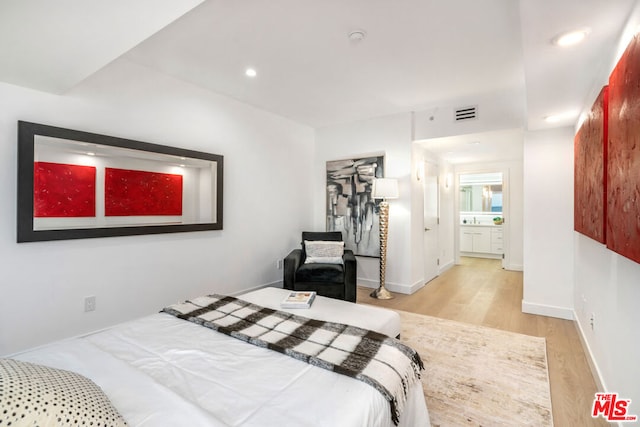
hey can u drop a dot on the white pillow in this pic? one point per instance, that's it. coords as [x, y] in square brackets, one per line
[323, 260]
[322, 251]
[36, 395]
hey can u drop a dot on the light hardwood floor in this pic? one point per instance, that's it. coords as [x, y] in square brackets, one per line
[480, 292]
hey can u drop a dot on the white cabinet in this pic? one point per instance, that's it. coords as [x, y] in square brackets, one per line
[475, 239]
[481, 239]
[497, 245]
[466, 239]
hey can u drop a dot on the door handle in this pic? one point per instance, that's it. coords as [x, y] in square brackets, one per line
[427, 229]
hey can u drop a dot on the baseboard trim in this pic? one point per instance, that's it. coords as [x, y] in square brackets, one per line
[367, 283]
[445, 267]
[417, 286]
[547, 310]
[276, 284]
[593, 365]
[392, 287]
[515, 267]
[481, 255]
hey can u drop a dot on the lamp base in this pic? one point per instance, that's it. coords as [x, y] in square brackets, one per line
[381, 293]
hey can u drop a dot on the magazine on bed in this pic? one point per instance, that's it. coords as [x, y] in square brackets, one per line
[302, 299]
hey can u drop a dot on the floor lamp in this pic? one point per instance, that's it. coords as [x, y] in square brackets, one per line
[385, 189]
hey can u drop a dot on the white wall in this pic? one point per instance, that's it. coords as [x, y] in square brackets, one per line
[607, 286]
[390, 135]
[448, 221]
[496, 110]
[267, 202]
[548, 223]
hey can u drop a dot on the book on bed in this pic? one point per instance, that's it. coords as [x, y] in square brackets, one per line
[302, 299]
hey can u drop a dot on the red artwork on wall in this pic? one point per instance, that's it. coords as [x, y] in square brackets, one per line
[136, 193]
[61, 190]
[590, 177]
[623, 194]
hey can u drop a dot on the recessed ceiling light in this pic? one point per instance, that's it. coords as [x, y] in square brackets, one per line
[555, 118]
[570, 38]
[250, 72]
[91, 153]
[357, 35]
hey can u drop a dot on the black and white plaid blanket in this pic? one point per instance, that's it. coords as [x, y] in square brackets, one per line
[380, 361]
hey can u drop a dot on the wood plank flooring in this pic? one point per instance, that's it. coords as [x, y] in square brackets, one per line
[480, 292]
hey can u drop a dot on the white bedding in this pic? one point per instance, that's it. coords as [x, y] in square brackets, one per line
[163, 371]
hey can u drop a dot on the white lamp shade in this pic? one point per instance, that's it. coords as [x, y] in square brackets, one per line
[385, 188]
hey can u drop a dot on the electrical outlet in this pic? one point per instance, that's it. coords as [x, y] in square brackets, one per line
[279, 264]
[592, 321]
[90, 303]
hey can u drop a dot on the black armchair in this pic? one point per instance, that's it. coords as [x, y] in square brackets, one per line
[329, 280]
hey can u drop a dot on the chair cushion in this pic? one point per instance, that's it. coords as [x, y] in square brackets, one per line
[325, 273]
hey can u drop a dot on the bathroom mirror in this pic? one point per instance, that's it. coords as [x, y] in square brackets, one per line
[481, 193]
[74, 185]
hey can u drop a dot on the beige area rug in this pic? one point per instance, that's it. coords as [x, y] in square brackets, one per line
[478, 376]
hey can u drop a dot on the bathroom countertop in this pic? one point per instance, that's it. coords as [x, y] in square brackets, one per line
[480, 225]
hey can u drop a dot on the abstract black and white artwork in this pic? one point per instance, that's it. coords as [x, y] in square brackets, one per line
[350, 207]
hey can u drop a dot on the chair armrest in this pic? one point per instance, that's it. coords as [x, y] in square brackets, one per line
[350, 280]
[291, 264]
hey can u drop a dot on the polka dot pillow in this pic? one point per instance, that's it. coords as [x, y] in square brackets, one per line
[34, 395]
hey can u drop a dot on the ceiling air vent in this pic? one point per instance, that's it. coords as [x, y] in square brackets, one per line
[466, 113]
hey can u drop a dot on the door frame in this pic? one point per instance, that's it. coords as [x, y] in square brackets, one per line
[506, 210]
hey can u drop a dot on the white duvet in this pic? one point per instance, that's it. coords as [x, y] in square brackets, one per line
[163, 371]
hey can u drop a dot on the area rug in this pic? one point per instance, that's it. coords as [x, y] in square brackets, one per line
[478, 376]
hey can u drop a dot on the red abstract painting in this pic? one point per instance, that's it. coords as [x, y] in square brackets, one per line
[136, 193]
[61, 190]
[623, 187]
[590, 178]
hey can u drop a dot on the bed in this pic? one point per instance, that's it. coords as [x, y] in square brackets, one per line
[163, 371]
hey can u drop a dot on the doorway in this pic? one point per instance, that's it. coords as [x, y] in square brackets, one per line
[481, 212]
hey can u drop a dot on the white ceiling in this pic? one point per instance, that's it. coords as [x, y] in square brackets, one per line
[416, 53]
[482, 147]
[54, 45]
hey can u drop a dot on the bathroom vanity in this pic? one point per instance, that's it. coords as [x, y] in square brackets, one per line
[481, 240]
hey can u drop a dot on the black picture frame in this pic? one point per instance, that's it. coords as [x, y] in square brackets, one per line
[26, 232]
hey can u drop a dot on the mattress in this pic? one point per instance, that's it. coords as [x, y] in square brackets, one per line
[162, 371]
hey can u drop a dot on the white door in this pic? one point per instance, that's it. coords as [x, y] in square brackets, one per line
[431, 211]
